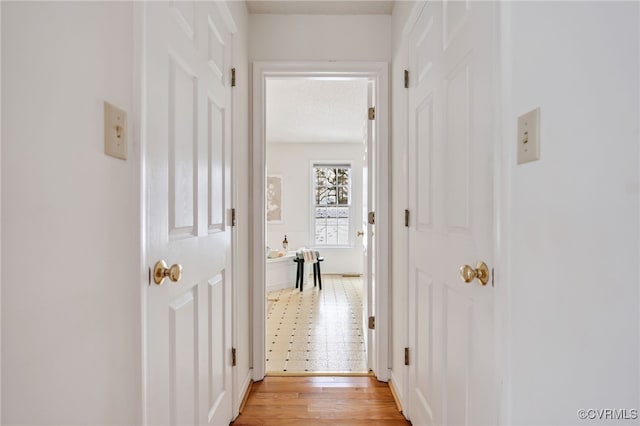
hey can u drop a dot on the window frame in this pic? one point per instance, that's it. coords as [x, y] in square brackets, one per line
[347, 164]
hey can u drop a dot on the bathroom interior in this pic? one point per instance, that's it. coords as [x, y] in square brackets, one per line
[316, 139]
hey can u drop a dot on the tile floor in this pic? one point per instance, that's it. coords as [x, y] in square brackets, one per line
[316, 330]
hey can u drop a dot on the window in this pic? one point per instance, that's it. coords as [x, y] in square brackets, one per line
[332, 204]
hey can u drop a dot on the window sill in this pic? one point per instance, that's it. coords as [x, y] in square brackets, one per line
[317, 247]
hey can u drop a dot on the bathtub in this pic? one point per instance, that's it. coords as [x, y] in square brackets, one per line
[281, 272]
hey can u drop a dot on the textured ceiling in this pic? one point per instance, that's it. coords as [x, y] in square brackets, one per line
[315, 7]
[305, 110]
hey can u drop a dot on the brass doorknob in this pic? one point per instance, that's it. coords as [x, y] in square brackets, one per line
[481, 272]
[360, 233]
[161, 271]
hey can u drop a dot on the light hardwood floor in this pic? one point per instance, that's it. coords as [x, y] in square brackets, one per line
[327, 400]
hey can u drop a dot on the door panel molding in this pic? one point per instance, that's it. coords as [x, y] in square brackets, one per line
[454, 15]
[216, 50]
[424, 162]
[183, 110]
[424, 355]
[457, 88]
[183, 353]
[217, 313]
[216, 165]
[184, 15]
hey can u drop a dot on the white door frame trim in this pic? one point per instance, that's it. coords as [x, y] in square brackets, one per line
[409, 25]
[504, 161]
[378, 71]
[0, 218]
[139, 148]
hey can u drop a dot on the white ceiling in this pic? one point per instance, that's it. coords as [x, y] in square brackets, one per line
[326, 7]
[306, 110]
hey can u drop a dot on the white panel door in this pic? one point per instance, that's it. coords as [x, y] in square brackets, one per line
[451, 204]
[186, 125]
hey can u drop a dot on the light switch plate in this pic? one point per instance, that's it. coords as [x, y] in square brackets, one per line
[115, 131]
[529, 136]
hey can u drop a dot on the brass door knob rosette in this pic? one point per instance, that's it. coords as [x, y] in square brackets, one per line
[480, 272]
[161, 271]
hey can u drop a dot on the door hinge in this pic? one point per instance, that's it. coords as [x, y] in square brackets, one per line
[372, 113]
[234, 360]
[233, 216]
[233, 77]
[372, 323]
[406, 218]
[371, 218]
[406, 79]
[406, 356]
[492, 276]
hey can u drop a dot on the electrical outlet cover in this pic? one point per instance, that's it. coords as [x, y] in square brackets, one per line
[529, 136]
[115, 131]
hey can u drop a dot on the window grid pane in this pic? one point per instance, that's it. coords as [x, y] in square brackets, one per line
[332, 201]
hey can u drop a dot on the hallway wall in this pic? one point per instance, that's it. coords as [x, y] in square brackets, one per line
[573, 293]
[70, 243]
[320, 38]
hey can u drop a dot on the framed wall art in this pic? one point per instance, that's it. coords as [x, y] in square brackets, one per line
[274, 199]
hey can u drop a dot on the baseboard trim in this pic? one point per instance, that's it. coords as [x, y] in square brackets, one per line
[395, 396]
[318, 374]
[246, 390]
[246, 396]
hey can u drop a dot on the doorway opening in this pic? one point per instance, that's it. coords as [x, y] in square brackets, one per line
[317, 174]
[317, 136]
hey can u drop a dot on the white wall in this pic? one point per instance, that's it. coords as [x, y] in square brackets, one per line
[319, 38]
[70, 283]
[241, 196]
[573, 288]
[293, 162]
